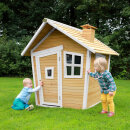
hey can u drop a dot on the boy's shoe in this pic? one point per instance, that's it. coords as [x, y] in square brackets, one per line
[103, 112]
[30, 107]
[111, 114]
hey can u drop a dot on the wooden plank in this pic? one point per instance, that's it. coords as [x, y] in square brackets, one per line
[42, 34]
[50, 89]
[74, 86]
[36, 80]
[94, 88]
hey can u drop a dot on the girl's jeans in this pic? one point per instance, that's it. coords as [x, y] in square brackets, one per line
[18, 104]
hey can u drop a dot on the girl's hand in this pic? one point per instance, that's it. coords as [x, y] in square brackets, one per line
[88, 71]
[41, 83]
[111, 93]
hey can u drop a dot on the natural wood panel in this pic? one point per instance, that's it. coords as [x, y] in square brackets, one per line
[75, 101]
[70, 105]
[94, 88]
[69, 85]
[50, 89]
[41, 35]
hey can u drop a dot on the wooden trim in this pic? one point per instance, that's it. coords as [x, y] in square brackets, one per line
[41, 98]
[49, 106]
[109, 62]
[99, 55]
[44, 38]
[63, 24]
[52, 75]
[33, 38]
[94, 104]
[107, 46]
[73, 65]
[86, 81]
[72, 37]
[59, 57]
[34, 78]
[47, 53]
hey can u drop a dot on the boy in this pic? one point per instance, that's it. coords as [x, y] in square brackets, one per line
[21, 101]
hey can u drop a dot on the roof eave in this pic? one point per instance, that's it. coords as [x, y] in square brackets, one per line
[89, 48]
[33, 38]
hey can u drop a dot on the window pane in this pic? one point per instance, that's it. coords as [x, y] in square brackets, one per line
[69, 70]
[77, 60]
[76, 70]
[49, 72]
[69, 58]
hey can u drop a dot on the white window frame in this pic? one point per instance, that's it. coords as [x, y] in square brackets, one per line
[46, 74]
[100, 55]
[73, 65]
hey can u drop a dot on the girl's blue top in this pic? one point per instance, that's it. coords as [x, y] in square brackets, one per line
[106, 81]
[25, 93]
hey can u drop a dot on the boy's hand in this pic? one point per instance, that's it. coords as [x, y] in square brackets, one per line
[88, 71]
[41, 83]
[111, 93]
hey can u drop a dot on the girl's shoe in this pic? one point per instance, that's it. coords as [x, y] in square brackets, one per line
[103, 112]
[30, 107]
[111, 114]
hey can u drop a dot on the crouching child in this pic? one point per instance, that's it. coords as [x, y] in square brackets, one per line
[21, 101]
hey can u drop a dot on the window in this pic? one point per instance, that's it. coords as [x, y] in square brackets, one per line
[73, 65]
[49, 72]
[99, 55]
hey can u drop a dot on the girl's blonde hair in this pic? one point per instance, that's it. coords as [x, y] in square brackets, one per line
[26, 80]
[101, 63]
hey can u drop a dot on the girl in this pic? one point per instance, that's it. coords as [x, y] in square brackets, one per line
[107, 85]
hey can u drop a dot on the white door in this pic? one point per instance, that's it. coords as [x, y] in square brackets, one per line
[49, 71]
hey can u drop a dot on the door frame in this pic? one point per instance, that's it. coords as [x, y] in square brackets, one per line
[51, 51]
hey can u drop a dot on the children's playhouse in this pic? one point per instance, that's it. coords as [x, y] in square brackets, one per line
[61, 55]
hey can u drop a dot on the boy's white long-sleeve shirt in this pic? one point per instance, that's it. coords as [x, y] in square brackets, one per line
[25, 93]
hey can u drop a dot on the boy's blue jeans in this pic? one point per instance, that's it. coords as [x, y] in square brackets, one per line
[18, 104]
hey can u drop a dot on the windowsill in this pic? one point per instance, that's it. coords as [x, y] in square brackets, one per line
[73, 77]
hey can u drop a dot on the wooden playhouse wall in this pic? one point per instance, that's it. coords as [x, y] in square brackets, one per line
[94, 88]
[72, 89]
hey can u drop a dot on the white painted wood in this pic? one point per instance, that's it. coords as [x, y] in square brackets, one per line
[43, 39]
[33, 38]
[60, 78]
[49, 106]
[56, 22]
[34, 81]
[46, 103]
[73, 65]
[100, 55]
[52, 72]
[109, 62]
[86, 81]
[53, 24]
[72, 37]
[46, 53]
[41, 97]
[94, 105]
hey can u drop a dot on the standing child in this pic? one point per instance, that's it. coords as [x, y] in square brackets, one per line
[107, 85]
[21, 101]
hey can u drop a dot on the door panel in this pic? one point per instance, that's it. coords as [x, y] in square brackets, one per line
[50, 89]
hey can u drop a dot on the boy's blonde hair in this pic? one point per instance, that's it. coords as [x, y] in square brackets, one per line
[25, 81]
[101, 63]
